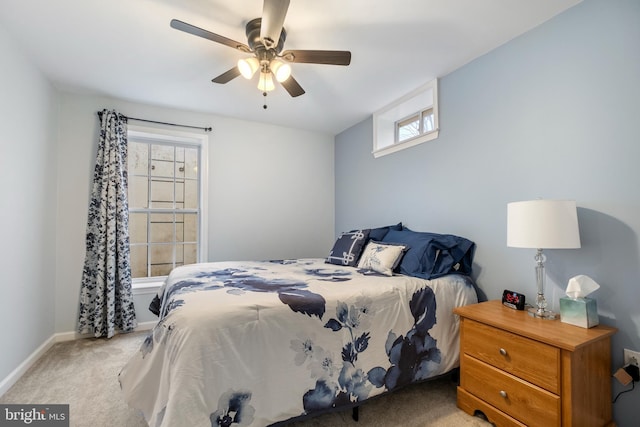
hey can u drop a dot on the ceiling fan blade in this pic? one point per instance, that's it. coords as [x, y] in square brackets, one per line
[188, 28]
[273, 14]
[330, 57]
[293, 87]
[227, 76]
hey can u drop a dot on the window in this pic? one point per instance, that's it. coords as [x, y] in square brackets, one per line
[411, 120]
[414, 125]
[166, 191]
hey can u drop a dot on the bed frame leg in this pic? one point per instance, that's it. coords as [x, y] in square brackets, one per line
[356, 413]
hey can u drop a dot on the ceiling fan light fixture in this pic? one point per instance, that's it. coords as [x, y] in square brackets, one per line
[265, 43]
[248, 67]
[265, 84]
[279, 69]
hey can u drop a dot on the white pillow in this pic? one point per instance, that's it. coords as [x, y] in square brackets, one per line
[381, 257]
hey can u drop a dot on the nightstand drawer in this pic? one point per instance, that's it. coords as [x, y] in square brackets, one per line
[528, 359]
[523, 401]
[471, 404]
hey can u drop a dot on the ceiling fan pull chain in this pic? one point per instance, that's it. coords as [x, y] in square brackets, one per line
[265, 100]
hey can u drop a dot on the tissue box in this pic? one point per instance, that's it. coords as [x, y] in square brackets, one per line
[581, 312]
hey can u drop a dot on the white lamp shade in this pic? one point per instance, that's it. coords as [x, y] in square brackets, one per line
[543, 224]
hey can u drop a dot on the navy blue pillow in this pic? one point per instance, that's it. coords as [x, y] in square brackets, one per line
[454, 255]
[378, 234]
[432, 255]
[412, 262]
[347, 249]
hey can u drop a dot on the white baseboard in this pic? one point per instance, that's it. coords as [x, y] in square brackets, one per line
[72, 336]
[15, 375]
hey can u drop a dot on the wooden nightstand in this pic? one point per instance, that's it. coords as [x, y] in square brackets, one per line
[522, 371]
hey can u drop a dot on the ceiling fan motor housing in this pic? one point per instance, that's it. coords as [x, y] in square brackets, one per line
[255, 41]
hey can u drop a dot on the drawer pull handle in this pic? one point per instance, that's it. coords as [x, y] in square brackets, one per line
[503, 352]
[503, 393]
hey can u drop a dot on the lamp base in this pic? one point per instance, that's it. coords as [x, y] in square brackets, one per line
[543, 314]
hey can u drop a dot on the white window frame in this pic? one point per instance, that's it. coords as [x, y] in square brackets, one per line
[386, 120]
[147, 285]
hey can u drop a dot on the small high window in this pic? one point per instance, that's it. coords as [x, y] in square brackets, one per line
[414, 126]
[411, 120]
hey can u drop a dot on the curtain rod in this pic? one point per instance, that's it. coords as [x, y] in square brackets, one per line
[206, 129]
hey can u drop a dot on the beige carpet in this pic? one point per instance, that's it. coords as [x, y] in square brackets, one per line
[84, 374]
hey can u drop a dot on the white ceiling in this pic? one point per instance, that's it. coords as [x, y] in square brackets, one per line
[126, 49]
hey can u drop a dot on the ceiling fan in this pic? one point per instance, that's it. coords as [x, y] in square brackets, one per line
[266, 37]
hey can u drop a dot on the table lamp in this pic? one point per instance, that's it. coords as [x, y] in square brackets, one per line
[542, 224]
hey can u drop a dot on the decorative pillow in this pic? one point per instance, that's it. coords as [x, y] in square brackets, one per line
[348, 247]
[381, 257]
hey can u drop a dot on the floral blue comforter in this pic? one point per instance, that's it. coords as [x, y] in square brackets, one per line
[256, 343]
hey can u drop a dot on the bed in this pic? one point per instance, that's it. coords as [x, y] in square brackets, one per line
[259, 343]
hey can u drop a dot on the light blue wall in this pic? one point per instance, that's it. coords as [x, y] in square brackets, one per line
[553, 114]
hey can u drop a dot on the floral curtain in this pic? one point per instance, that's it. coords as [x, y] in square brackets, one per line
[106, 300]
